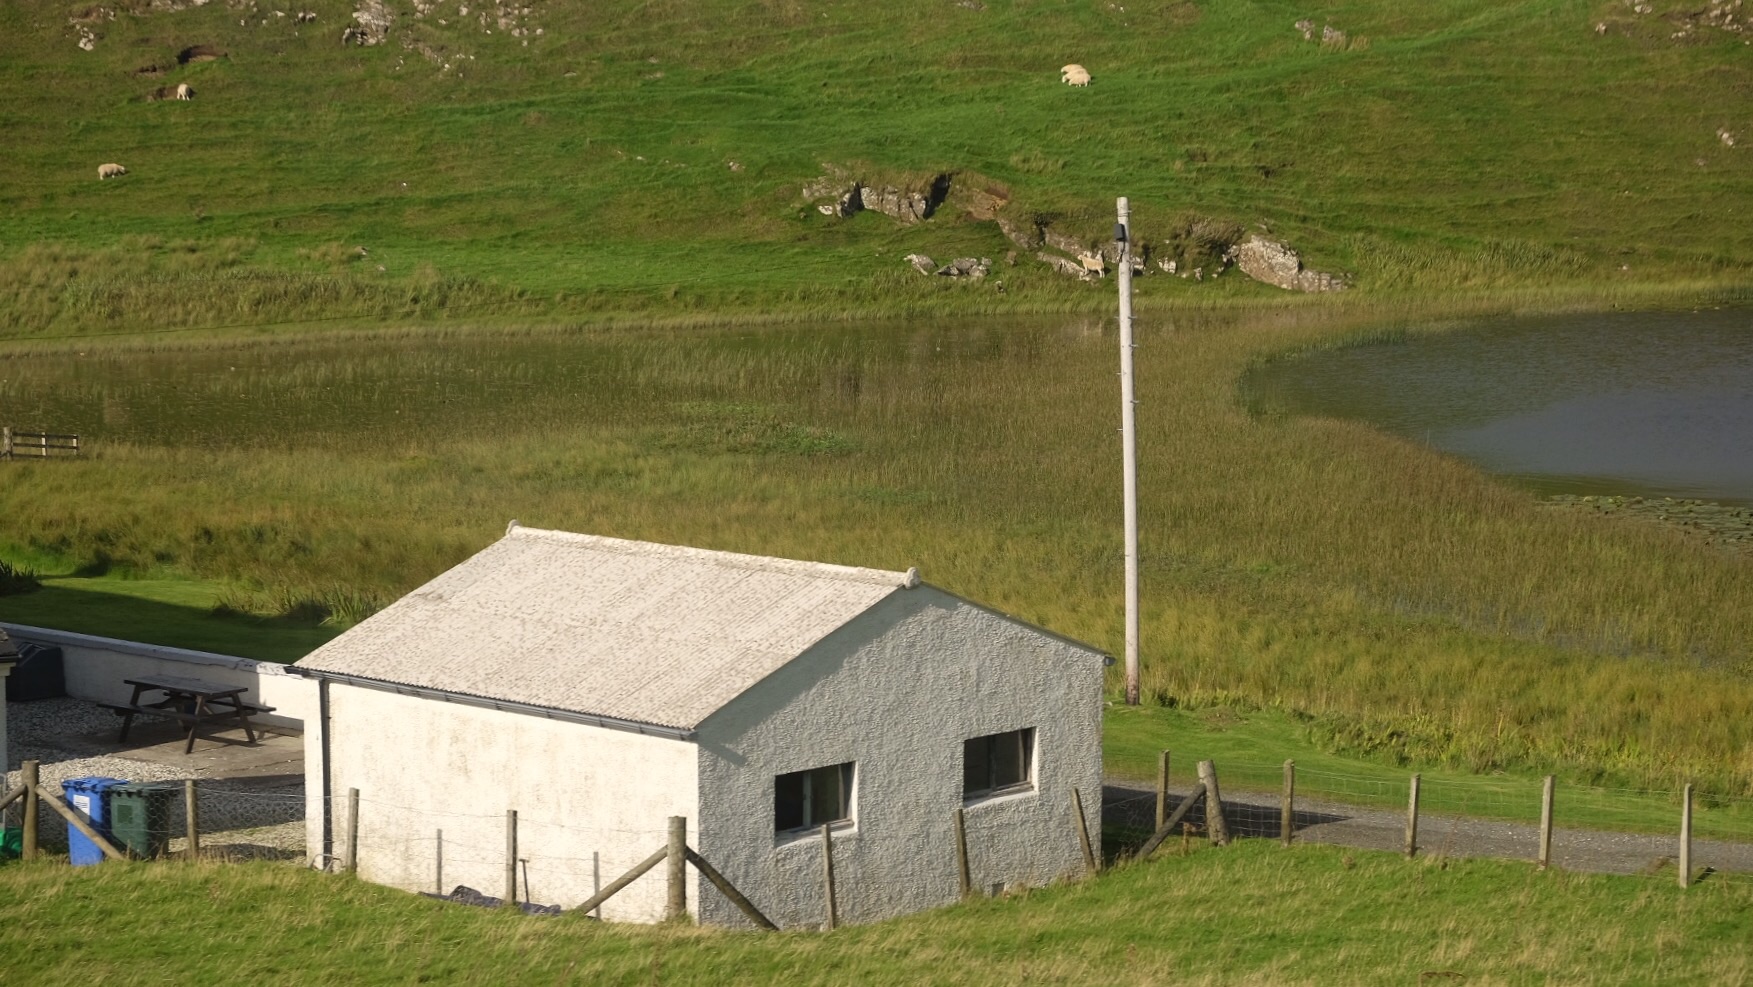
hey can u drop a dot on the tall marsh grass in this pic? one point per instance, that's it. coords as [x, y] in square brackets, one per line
[1415, 607]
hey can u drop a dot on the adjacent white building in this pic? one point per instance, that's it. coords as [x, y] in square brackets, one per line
[599, 686]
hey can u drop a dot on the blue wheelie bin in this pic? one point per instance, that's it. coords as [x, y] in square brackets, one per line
[90, 798]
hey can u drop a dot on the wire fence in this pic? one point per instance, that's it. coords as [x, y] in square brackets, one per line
[439, 846]
[1591, 828]
[236, 819]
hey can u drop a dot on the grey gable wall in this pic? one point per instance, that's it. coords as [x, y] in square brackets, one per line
[897, 691]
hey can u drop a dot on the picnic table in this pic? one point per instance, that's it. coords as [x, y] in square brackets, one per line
[191, 702]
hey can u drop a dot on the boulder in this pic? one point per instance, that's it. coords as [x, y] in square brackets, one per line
[1026, 236]
[1064, 265]
[374, 19]
[966, 267]
[922, 263]
[1278, 265]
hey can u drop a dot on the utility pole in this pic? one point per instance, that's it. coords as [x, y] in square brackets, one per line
[1129, 449]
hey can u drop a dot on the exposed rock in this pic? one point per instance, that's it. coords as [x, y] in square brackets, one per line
[1024, 235]
[1307, 27]
[980, 201]
[1062, 241]
[922, 263]
[904, 205]
[1064, 265]
[1727, 138]
[374, 19]
[1331, 35]
[1278, 265]
[966, 267]
[849, 202]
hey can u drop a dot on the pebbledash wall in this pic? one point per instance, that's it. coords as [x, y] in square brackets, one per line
[97, 669]
[897, 692]
[591, 802]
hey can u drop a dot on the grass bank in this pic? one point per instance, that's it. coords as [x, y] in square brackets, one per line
[1249, 914]
[649, 158]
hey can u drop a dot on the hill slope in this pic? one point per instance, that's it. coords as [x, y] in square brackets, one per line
[614, 155]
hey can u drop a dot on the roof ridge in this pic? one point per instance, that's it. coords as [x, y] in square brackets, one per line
[737, 560]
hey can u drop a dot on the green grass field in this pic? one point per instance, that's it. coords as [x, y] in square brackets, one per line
[1252, 913]
[649, 157]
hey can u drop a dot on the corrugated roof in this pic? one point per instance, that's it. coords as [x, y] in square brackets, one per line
[632, 630]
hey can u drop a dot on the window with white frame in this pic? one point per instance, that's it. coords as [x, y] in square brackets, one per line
[806, 800]
[998, 763]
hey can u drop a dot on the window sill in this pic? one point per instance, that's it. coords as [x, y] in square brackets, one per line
[1011, 794]
[792, 836]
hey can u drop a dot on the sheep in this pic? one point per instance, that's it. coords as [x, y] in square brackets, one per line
[184, 92]
[1094, 263]
[1074, 75]
[111, 170]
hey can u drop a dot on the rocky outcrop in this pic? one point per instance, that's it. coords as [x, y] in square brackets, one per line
[973, 268]
[922, 263]
[375, 20]
[837, 193]
[1024, 235]
[1065, 265]
[1277, 264]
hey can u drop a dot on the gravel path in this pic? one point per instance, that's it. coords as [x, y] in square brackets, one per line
[254, 815]
[1318, 821]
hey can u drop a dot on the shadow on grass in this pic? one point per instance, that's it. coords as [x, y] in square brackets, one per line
[132, 616]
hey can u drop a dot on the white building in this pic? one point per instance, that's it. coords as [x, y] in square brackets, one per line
[599, 686]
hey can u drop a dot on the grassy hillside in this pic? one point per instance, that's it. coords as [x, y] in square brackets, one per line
[1248, 914]
[586, 159]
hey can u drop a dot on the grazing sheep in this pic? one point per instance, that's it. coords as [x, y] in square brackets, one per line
[111, 170]
[184, 92]
[1094, 263]
[1074, 75]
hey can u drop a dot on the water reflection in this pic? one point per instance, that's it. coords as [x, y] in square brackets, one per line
[1649, 403]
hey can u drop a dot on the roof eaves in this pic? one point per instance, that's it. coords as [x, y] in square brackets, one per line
[503, 705]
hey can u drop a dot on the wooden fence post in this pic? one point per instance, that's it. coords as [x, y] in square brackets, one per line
[962, 875]
[192, 820]
[833, 916]
[729, 890]
[1287, 805]
[352, 830]
[1162, 789]
[1412, 820]
[27, 773]
[1686, 838]
[677, 906]
[1546, 792]
[6, 442]
[1083, 833]
[1157, 838]
[595, 901]
[510, 899]
[1215, 824]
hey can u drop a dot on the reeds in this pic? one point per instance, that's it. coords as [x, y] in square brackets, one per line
[1415, 607]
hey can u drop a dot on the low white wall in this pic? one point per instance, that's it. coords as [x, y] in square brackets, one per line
[591, 801]
[97, 669]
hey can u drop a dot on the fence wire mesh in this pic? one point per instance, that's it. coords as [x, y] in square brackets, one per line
[1594, 828]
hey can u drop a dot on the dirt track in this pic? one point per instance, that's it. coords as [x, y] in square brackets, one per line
[1255, 814]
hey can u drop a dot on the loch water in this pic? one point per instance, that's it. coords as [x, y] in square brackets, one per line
[1656, 404]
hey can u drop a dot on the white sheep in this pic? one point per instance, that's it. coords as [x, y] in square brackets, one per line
[184, 92]
[1094, 263]
[1074, 75]
[111, 170]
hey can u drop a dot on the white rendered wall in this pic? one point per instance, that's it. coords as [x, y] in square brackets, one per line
[97, 669]
[424, 764]
[897, 692]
